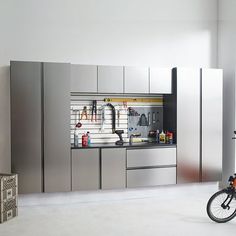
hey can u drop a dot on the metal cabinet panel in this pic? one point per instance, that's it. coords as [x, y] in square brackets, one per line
[161, 80]
[151, 157]
[57, 127]
[212, 122]
[110, 79]
[151, 177]
[188, 125]
[85, 169]
[113, 168]
[26, 125]
[136, 79]
[84, 78]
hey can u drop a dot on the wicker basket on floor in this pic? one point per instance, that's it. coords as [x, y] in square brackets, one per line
[8, 196]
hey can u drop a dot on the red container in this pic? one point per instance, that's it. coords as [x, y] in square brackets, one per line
[84, 140]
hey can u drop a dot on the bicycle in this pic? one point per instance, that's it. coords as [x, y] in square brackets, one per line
[221, 207]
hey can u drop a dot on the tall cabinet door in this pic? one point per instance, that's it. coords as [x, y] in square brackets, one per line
[56, 127]
[212, 121]
[26, 125]
[188, 125]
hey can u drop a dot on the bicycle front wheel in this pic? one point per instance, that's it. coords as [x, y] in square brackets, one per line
[221, 207]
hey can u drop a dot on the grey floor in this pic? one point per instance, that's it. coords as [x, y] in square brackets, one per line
[173, 210]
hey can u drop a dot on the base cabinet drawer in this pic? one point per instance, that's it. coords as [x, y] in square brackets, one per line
[85, 169]
[151, 177]
[151, 157]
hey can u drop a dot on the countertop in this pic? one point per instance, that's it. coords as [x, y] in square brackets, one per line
[125, 145]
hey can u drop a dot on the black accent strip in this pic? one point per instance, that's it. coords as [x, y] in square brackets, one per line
[42, 125]
[150, 167]
[71, 170]
[200, 162]
[97, 79]
[100, 168]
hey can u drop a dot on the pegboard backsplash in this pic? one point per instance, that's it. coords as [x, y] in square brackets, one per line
[97, 134]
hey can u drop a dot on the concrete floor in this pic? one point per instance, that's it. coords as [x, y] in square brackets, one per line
[173, 210]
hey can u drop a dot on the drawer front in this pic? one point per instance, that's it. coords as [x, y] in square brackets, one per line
[151, 157]
[151, 177]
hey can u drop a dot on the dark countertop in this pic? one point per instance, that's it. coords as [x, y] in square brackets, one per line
[125, 145]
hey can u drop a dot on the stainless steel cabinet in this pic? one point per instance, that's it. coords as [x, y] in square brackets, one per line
[151, 157]
[56, 127]
[26, 125]
[85, 169]
[110, 79]
[113, 168]
[150, 167]
[188, 125]
[161, 80]
[136, 79]
[151, 177]
[212, 121]
[40, 99]
[83, 78]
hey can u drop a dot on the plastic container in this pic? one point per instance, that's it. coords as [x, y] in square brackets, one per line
[89, 138]
[157, 136]
[162, 137]
[170, 137]
[84, 140]
[76, 137]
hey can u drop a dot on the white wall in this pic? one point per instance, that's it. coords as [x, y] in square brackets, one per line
[227, 61]
[160, 32]
[124, 32]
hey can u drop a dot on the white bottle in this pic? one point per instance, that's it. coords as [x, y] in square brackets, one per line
[76, 137]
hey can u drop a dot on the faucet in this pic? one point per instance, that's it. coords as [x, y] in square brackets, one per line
[132, 136]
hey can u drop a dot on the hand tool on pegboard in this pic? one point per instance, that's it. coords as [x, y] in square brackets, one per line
[94, 111]
[84, 113]
[77, 117]
[118, 111]
[78, 123]
[102, 117]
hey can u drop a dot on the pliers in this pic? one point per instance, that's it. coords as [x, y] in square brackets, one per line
[84, 113]
[94, 111]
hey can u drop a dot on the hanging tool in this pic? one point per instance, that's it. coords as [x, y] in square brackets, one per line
[118, 118]
[143, 121]
[113, 117]
[102, 117]
[94, 111]
[84, 113]
[132, 112]
[118, 115]
[78, 123]
[149, 118]
[154, 117]
[77, 117]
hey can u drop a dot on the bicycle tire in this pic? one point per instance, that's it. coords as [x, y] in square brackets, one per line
[212, 215]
